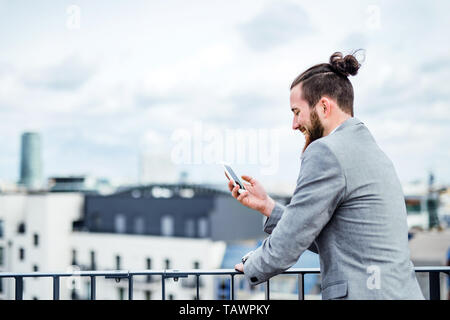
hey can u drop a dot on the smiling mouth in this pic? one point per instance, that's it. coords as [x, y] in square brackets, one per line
[303, 130]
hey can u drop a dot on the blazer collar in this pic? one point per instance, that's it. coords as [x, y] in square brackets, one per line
[346, 124]
[349, 122]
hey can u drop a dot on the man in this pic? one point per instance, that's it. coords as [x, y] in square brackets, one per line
[348, 205]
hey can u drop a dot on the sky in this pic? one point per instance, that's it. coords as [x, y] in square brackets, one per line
[104, 82]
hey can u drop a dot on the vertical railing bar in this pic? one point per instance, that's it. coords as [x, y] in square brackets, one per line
[130, 287]
[301, 293]
[198, 286]
[303, 286]
[268, 290]
[163, 287]
[19, 288]
[232, 287]
[435, 288]
[93, 288]
[55, 288]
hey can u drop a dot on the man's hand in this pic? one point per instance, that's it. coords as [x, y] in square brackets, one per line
[239, 267]
[254, 196]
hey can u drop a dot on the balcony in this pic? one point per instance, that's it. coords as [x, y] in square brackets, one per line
[175, 275]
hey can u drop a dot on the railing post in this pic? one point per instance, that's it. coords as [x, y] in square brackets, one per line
[268, 290]
[93, 288]
[19, 288]
[435, 288]
[198, 286]
[232, 287]
[163, 287]
[130, 287]
[55, 288]
[301, 285]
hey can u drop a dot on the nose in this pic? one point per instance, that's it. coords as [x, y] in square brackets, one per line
[295, 125]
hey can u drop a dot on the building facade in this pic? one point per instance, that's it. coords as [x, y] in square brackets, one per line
[37, 234]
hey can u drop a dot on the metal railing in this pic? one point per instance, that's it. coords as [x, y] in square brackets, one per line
[434, 279]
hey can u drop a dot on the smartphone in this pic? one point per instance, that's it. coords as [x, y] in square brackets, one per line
[233, 177]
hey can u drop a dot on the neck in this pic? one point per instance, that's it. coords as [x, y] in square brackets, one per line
[335, 124]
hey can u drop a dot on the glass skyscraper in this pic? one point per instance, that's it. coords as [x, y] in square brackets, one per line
[31, 161]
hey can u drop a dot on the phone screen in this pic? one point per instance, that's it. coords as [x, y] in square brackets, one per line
[235, 178]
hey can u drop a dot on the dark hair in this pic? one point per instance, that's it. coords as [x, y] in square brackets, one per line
[330, 79]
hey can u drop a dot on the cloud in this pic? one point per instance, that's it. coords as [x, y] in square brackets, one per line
[70, 74]
[277, 24]
[117, 85]
[354, 41]
[410, 88]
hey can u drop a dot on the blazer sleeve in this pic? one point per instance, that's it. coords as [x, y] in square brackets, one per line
[320, 188]
[275, 216]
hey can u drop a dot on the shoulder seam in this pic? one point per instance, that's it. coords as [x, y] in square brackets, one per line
[339, 163]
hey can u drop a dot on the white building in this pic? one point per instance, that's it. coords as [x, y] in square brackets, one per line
[416, 203]
[36, 235]
[157, 168]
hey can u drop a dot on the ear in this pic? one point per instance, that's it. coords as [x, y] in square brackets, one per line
[325, 106]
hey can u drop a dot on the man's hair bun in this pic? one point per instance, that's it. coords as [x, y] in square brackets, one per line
[345, 66]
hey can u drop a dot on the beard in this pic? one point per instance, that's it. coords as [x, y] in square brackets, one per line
[313, 133]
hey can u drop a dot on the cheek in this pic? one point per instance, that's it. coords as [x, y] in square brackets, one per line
[306, 118]
[301, 118]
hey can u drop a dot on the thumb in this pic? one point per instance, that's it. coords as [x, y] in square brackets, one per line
[248, 178]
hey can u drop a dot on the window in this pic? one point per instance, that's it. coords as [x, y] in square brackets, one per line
[74, 257]
[120, 223]
[93, 264]
[117, 262]
[21, 228]
[1, 285]
[1, 256]
[1, 228]
[196, 265]
[74, 294]
[97, 221]
[189, 230]
[203, 227]
[35, 268]
[167, 263]
[21, 254]
[35, 239]
[224, 289]
[121, 293]
[149, 267]
[167, 226]
[139, 225]
[148, 295]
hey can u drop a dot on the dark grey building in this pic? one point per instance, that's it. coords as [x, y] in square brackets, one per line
[84, 184]
[178, 210]
[31, 161]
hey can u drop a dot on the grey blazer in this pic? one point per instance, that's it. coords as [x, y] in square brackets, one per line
[348, 206]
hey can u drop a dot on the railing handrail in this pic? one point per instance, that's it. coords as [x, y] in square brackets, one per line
[170, 272]
[167, 272]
